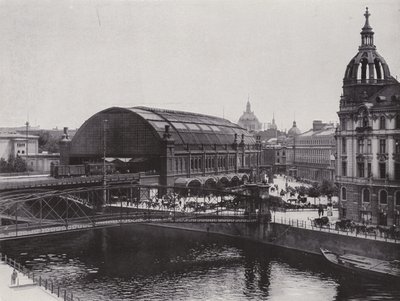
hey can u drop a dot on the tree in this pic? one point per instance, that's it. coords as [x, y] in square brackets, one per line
[19, 164]
[302, 190]
[328, 188]
[3, 165]
[13, 164]
[314, 191]
[48, 142]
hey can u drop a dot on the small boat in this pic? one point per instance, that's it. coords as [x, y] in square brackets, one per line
[365, 266]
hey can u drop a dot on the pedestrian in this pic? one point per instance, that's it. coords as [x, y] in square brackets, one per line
[13, 277]
[320, 211]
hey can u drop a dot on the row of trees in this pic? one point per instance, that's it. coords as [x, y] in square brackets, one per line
[326, 187]
[13, 164]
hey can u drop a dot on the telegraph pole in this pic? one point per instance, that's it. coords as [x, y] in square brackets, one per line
[26, 146]
[104, 161]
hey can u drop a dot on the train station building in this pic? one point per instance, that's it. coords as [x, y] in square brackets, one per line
[180, 148]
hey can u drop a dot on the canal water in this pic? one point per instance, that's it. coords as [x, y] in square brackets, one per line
[138, 262]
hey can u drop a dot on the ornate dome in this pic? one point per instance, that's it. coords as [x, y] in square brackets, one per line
[294, 130]
[368, 66]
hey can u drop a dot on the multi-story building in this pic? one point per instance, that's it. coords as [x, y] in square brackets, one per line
[15, 144]
[310, 155]
[26, 146]
[368, 138]
[273, 158]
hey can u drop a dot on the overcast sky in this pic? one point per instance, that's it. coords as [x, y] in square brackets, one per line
[62, 61]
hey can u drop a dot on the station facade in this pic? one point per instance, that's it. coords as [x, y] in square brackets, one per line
[368, 138]
[182, 148]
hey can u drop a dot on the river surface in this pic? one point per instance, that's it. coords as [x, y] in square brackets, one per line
[150, 263]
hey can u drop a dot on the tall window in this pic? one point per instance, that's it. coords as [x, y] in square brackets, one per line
[360, 169]
[369, 147]
[360, 146]
[382, 170]
[382, 219]
[397, 146]
[369, 168]
[382, 123]
[397, 122]
[344, 168]
[344, 193]
[343, 124]
[383, 197]
[344, 145]
[365, 195]
[382, 146]
[365, 122]
[397, 198]
[396, 170]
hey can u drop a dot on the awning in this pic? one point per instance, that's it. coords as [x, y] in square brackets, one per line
[112, 159]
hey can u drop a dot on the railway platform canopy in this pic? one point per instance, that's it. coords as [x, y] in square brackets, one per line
[173, 144]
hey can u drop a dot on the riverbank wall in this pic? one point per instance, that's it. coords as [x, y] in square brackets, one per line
[305, 240]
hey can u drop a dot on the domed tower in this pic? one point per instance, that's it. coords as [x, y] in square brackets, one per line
[368, 138]
[249, 120]
[367, 72]
[294, 130]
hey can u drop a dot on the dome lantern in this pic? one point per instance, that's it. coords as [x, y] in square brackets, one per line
[368, 66]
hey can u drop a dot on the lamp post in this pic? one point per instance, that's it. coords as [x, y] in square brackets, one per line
[26, 146]
[104, 161]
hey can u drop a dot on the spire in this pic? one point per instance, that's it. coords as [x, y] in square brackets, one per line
[367, 35]
[273, 118]
[248, 107]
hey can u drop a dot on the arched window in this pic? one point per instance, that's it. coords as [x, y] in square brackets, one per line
[383, 197]
[365, 195]
[382, 123]
[365, 121]
[344, 193]
[397, 198]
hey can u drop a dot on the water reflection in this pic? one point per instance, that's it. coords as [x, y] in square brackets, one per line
[150, 263]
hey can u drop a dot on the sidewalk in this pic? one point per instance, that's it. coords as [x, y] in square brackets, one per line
[304, 215]
[25, 290]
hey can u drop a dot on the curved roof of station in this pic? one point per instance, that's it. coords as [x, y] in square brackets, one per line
[190, 128]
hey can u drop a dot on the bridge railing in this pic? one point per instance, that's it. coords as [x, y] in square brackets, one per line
[310, 225]
[49, 285]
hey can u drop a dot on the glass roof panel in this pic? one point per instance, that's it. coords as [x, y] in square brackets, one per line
[215, 128]
[158, 124]
[192, 126]
[179, 126]
[149, 115]
[204, 127]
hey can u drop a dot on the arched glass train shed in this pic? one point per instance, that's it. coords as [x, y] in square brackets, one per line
[173, 144]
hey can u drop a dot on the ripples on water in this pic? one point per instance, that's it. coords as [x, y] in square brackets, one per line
[150, 263]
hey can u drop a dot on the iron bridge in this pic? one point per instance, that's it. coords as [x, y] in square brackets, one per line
[40, 212]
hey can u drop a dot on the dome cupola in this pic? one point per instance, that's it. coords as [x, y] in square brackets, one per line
[294, 130]
[368, 66]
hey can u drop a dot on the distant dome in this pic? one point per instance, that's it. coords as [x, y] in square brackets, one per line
[294, 130]
[248, 120]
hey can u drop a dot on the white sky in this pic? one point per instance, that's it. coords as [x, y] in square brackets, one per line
[62, 61]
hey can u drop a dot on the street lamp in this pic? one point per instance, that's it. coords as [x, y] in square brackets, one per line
[104, 160]
[26, 146]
